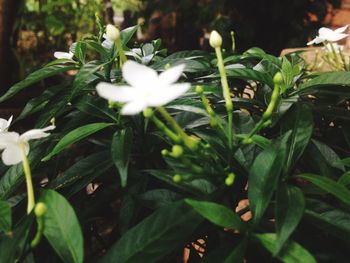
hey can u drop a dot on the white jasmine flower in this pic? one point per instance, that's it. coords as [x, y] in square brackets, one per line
[147, 88]
[327, 34]
[14, 145]
[107, 43]
[5, 124]
[337, 48]
[63, 55]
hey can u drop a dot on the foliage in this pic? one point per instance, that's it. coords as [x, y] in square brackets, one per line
[111, 195]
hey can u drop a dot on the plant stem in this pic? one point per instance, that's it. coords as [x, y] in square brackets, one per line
[29, 183]
[189, 142]
[122, 57]
[165, 129]
[226, 92]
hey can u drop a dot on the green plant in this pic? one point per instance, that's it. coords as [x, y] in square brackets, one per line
[141, 188]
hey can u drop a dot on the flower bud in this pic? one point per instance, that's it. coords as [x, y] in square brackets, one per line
[112, 33]
[199, 90]
[247, 141]
[177, 151]
[215, 39]
[176, 178]
[148, 113]
[278, 78]
[165, 152]
[233, 41]
[40, 209]
[230, 179]
[267, 123]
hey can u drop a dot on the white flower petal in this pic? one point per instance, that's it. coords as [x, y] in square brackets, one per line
[12, 155]
[8, 139]
[133, 107]
[63, 55]
[115, 93]
[341, 29]
[167, 94]
[138, 75]
[36, 133]
[336, 37]
[5, 124]
[171, 75]
[107, 44]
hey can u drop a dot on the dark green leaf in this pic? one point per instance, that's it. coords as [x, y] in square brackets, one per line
[326, 79]
[5, 217]
[156, 236]
[299, 121]
[217, 214]
[120, 150]
[75, 136]
[291, 253]
[264, 174]
[345, 179]
[35, 77]
[127, 33]
[329, 185]
[290, 206]
[61, 228]
[237, 255]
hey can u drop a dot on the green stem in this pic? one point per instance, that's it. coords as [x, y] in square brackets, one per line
[29, 183]
[226, 92]
[335, 55]
[121, 52]
[175, 138]
[39, 232]
[188, 141]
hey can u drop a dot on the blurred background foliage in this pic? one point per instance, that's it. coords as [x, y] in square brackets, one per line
[31, 30]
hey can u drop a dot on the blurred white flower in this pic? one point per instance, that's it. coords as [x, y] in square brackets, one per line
[63, 55]
[14, 145]
[327, 34]
[337, 48]
[147, 88]
[5, 124]
[107, 43]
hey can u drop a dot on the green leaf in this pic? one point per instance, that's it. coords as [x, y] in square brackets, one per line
[237, 255]
[163, 232]
[61, 228]
[344, 179]
[299, 121]
[120, 150]
[127, 33]
[35, 77]
[75, 136]
[217, 214]
[5, 217]
[290, 206]
[341, 163]
[291, 253]
[326, 79]
[336, 189]
[328, 219]
[264, 174]
[12, 246]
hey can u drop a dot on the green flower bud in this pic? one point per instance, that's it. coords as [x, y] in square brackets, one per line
[176, 178]
[247, 141]
[199, 90]
[278, 78]
[177, 151]
[148, 113]
[167, 66]
[112, 32]
[215, 39]
[233, 41]
[40, 209]
[230, 179]
[164, 152]
[213, 122]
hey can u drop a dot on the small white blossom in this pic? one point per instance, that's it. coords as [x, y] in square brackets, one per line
[327, 34]
[14, 145]
[63, 55]
[147, 88]
[107, 43]
[5, 124]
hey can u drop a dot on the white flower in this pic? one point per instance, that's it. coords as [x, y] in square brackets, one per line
[63, 55]
[147, 88]
[14, 144]
[337, 48]
[112, 33]
[327, 34]
[5, 124]
[107, 43]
